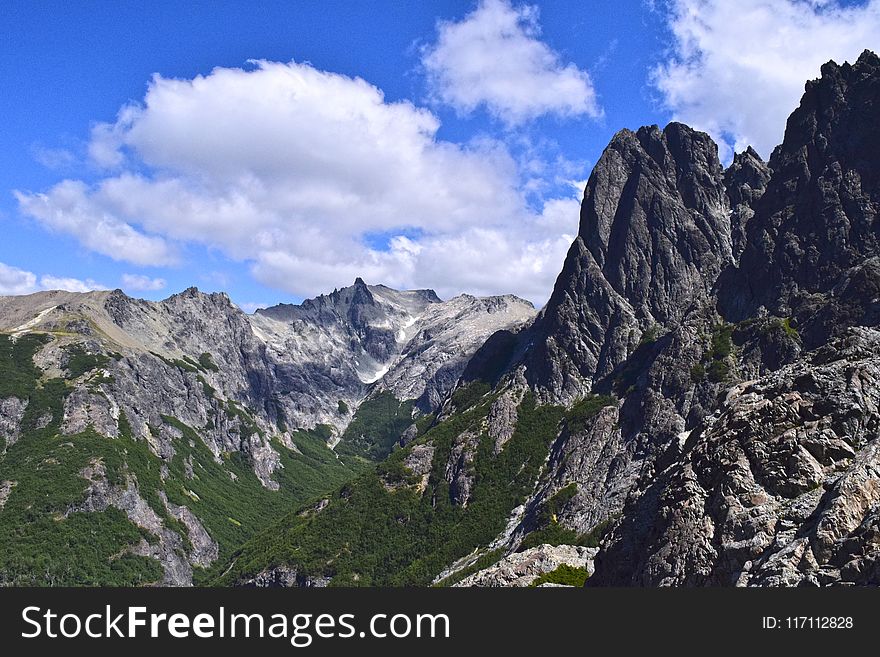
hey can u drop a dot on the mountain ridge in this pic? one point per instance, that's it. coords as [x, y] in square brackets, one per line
[192, 384]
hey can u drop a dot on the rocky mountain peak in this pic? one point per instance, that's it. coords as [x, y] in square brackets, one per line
[360, 293]
[654, 217]
[362, 339]
[816, 219]
[654, 234]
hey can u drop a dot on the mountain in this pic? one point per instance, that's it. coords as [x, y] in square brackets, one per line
[363, 339]
[697, 400]
[156, 437]
[779, 484]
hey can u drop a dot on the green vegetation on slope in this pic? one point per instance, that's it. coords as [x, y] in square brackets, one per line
[18, 374]
[469, 394]
[563, 574]
[79, 361]
[369, 534]
[41, 541]
[228, 498]
[45, 540]
[583, 411]
[377, 425]
[206, 362]
[715, 364]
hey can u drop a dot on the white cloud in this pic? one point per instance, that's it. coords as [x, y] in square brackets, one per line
[53, 158]
[141, 282]
[15, 281]
[737, 69]
[69, 284]
[291, 169]
[71, 207]
[523, 257]
[495, 57]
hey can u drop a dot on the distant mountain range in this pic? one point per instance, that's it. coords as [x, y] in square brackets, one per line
[697, 404]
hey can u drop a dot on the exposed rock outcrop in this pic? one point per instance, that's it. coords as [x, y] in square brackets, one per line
[779, 487]
[654, 234]
[523, 568]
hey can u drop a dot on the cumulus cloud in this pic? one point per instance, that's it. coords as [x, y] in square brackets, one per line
[140, 282]
[737, 69]
[18, 281]
[71, 207]
[292, 169]
[70, 284]
[494, 57]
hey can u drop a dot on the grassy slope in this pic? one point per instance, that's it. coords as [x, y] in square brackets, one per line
[38, 545]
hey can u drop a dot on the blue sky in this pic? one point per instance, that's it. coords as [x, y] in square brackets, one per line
[276, 150]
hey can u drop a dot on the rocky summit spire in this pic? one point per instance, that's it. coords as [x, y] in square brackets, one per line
[816, 221]
[654, 234]
[746, 180]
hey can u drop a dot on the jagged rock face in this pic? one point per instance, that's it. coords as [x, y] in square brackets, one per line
[446, 336]
[601, 464]
[654, 234]
[575, 339]
[816, 219]
[376, 317]
[730, 446]
[11, 411]
[169, 549]
[779, 487]
[774, 483]
[630, 316]
[654, 217]
[336, 346]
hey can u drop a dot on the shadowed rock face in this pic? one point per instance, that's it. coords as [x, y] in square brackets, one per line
[816, 221]
[745, 180]
[654, 234]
